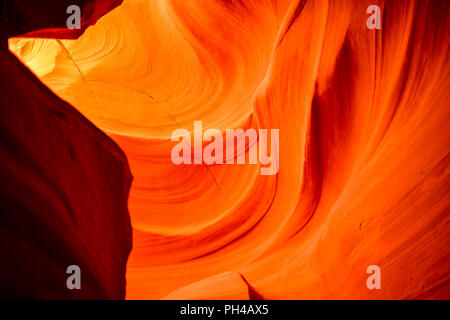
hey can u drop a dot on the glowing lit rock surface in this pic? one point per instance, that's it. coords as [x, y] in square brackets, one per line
[364, 140]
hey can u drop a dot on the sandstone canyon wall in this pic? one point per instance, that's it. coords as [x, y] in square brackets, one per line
[363, 117]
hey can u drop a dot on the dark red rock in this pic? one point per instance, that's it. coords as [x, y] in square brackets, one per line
[63, 194]
[47, 19]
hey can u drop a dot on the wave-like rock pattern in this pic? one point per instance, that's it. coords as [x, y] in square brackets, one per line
[363, 118]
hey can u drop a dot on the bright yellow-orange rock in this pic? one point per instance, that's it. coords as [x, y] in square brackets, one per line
[364, 142]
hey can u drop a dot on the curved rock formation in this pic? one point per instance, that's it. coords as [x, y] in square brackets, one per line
[364, 145]
[63, 192]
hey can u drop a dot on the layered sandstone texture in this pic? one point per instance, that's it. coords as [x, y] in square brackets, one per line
[363, 117]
